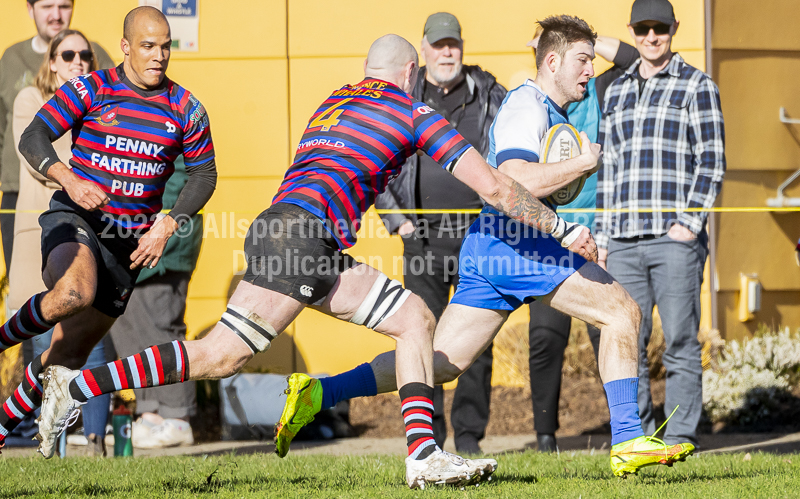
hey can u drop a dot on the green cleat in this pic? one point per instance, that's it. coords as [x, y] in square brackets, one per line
[303, 402]
[628, 457]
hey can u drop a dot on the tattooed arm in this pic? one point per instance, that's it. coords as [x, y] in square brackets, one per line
[511, 198]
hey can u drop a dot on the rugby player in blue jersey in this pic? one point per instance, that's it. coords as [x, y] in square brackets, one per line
[128, 125]
[354, 143]
[504, 264]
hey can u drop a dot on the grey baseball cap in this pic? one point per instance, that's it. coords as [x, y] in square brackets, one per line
[652, 10]
[440, 26]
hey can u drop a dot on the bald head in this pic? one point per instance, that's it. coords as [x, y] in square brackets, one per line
[139, 17]
[146, 44]
[389, 58]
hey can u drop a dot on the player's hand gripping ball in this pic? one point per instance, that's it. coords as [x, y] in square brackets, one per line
[562, 142]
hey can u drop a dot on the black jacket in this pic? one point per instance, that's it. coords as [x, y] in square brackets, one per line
[401, 191]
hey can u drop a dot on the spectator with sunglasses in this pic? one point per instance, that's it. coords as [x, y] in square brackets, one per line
[18, 67]
[663, 137]
[70, 55]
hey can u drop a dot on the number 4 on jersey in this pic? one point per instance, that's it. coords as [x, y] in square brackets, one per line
[330, 117]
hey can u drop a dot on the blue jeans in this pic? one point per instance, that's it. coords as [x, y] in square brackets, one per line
[667, 273]
[95, 412]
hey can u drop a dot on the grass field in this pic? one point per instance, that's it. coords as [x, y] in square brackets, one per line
[519, 475]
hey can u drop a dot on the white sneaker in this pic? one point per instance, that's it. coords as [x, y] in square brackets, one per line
[442, 468]
[180, 431]
[77, 440]
[59, 409]
[170, 433]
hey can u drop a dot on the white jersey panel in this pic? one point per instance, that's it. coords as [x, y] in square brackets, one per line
[519, 126]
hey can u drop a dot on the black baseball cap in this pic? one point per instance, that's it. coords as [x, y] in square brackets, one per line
[440, 26]
[652, 10]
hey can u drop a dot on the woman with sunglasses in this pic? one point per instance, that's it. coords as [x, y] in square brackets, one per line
[70, 55]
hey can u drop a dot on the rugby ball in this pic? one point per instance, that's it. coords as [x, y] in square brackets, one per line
[560, 143]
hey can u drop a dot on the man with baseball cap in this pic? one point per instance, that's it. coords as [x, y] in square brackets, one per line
[469, 97]
[663, 137]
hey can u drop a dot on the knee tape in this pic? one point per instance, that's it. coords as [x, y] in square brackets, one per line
[254, 331]
[384, 299]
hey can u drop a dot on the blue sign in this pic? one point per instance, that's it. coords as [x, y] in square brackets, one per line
[180, 8]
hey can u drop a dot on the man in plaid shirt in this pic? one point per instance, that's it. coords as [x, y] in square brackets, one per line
[663, 141]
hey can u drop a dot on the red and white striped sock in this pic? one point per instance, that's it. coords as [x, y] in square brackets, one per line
[156, 366]
[24, 401]
[417, 410]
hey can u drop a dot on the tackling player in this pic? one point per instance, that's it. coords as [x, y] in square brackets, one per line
[128, 125]
[504, 264]
[353, 144]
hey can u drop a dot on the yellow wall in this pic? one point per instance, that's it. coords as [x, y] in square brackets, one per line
[262, 69]
[757, 74]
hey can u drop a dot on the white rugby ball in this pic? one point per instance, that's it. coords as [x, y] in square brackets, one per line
[561, 143]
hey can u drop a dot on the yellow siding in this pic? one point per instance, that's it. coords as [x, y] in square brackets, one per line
[260, 93]
[756, 58]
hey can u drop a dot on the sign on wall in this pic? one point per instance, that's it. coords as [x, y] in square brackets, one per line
[184, 22]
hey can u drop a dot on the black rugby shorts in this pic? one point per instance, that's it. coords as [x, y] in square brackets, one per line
[66, 222]
[290, 251]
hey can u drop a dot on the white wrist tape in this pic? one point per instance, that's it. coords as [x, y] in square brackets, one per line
[571, 234]
[559, 228]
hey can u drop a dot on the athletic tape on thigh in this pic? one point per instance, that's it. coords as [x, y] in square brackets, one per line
[252, 329]
[383, 300]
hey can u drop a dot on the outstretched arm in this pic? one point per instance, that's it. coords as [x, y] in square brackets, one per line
[511, 198]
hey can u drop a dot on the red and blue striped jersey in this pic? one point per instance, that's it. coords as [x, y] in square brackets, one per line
[125, 139]
[356, 142]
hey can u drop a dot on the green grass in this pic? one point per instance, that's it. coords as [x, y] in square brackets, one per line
[264, 475]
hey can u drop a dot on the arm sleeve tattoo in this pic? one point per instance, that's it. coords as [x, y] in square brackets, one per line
[521, 205]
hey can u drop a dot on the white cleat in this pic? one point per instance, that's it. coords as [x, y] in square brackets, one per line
[443, 468]
[59, 409]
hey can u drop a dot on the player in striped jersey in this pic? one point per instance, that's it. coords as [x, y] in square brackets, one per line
[353, 144]
[128, 125]
[503, 264]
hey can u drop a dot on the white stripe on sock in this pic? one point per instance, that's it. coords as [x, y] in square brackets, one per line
[151, 359]
[13, 406]
[36, 317]
[134, 372]
[83, 386]
[35, 379]
[415, 404]
[178, 357]
[24, 397]
[114, 375]
[422, 447]
[414, 431]
[423, 417]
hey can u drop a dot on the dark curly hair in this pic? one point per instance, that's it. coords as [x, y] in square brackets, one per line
[559, 33]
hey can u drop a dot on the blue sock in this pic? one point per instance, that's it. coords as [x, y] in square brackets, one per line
[625, 422]
[358, 382]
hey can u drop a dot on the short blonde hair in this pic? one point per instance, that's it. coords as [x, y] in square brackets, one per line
[46, 80]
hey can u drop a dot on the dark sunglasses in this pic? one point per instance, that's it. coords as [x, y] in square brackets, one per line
[644, 30]
[69, 55]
